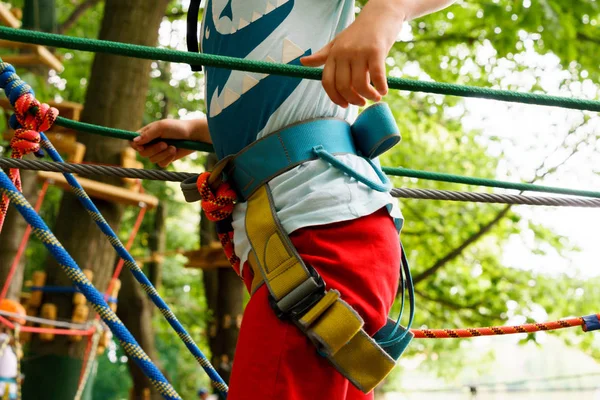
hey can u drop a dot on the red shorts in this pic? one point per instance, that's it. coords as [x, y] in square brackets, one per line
[273, 359]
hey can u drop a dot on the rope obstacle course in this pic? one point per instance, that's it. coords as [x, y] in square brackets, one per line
[21, 96]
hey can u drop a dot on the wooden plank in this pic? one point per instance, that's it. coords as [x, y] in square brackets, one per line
[7, 18]
[49, 59]
[207, 257]
[22, 60]
[102, 191]
[42, 54]
[8, 44]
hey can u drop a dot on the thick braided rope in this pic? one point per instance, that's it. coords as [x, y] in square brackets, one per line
[497, 330]
[32, 118]
[137, 51]
[218, 206]
[93, 296]
[93, 211]
[406, 193]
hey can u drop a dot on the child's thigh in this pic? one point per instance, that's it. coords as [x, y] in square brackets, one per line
[275, 361]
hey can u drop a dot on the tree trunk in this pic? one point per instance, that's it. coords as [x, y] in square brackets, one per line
[11, 236]
[115, 98]
[225, 299]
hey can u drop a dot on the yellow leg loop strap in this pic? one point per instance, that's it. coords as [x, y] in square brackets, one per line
[329, 322]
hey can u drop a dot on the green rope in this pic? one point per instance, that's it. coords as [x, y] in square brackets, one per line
[402, 172]
[467, 180]
[127, 135]
[137, 51]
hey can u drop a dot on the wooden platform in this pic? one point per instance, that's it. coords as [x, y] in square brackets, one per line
[207, 257]
[33, 54]
[104, 191]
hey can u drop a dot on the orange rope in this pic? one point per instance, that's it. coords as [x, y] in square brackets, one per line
[497, 330]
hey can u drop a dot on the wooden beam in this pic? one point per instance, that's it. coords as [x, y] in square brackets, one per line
[49, 59]
[22, 60]
[102, 191]
[207, 257]
[8, 44]
[7, 18]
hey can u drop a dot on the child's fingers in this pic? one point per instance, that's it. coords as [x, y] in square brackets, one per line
[165, 163]
[152, 150]
[378, 76]
[148, 133]
[343, 80]
[329, 84]
[361, 82]
[164, 155]
[317, 59]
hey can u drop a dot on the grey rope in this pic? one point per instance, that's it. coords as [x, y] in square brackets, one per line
[478, 197]
[95, 170]
[424, 194]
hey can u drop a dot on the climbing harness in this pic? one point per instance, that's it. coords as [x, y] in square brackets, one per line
[298, 294]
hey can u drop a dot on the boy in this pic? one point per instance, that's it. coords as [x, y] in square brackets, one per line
[342, 228]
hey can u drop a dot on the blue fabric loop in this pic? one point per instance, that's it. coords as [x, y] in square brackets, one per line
[592, 322]
[384, 186]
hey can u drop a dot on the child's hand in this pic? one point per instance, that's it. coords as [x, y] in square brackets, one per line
[159, 152]
[356, 57]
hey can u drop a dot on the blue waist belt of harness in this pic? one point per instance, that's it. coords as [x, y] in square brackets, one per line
[374, 132]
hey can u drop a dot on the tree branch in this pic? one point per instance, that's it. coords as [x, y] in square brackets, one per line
[585, 38]
[446, 302]
[483, 229]
[76, 14]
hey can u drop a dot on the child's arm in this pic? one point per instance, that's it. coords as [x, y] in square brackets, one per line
[162, 154]
[356, 57]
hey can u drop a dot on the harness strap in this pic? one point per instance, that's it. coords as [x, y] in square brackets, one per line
[192, 31]
[298, 293]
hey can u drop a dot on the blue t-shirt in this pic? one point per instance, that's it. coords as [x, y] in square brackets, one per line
[244, 106]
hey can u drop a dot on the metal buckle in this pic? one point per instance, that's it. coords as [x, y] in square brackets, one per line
[300, 300]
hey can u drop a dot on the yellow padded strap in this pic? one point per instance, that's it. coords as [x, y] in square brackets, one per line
[319, 308]
[277, 260]
[335, 327]
[363, 362]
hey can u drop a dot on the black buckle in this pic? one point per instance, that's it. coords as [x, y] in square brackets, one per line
[310, 292]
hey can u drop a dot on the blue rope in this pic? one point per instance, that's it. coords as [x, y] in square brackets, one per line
[10, 81]
[94, 297]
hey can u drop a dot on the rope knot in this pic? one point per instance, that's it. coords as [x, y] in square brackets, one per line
[25, 141]
[34, 115]
[217, 204]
